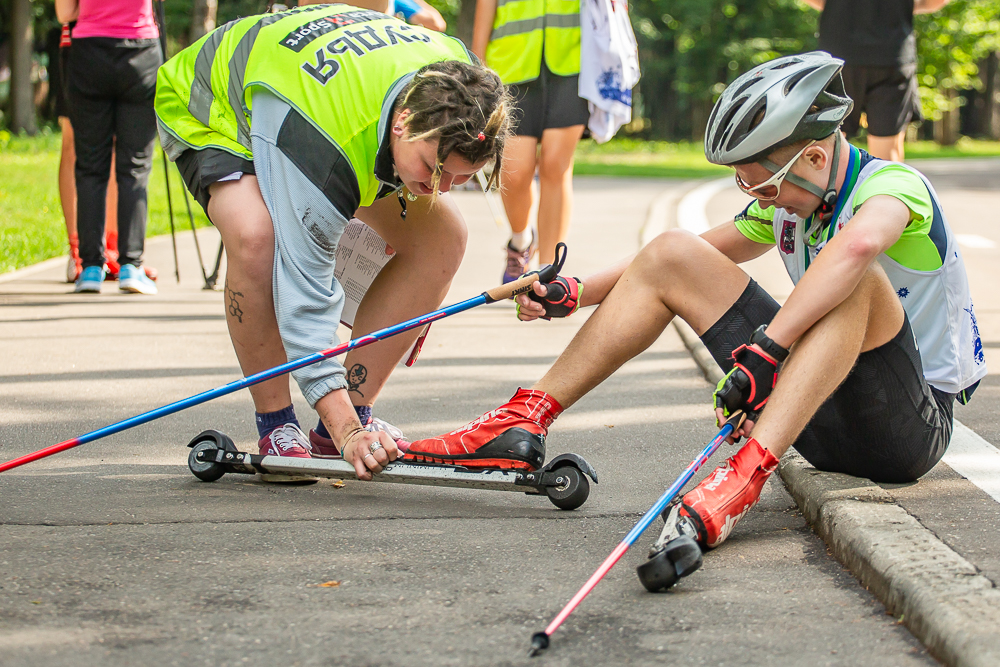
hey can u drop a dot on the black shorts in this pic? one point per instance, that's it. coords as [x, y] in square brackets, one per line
[201, 168]
[550, 101]
[887, 95]
[884, 423]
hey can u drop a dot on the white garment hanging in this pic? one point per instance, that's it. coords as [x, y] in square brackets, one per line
[609, 65]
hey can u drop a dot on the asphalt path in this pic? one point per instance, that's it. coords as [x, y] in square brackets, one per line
[113, 554]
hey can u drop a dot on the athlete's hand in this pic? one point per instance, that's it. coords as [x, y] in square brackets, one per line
[357, 450]
[558, 298]
[746, 387]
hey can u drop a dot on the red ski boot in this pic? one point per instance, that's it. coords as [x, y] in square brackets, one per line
[512, 436]
[726, 495]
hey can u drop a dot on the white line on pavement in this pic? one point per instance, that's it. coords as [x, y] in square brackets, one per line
[691, 210]
[974, 459]
[974, 241]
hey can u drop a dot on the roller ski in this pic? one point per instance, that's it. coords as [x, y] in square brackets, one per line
[676, 554]
[706, 516]
[564, 480]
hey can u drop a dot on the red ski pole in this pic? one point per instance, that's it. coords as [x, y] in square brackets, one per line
[540, 640]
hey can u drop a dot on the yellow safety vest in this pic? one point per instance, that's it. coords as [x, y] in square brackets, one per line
[338, 66]
[524, 30]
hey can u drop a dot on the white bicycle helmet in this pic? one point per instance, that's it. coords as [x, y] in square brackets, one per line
[776, 104]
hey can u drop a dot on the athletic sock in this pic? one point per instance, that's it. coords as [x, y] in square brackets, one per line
[268, 421]
[364, 415]
[521, 240]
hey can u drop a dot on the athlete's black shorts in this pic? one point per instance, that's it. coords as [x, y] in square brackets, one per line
[550, 101]
[887, 95]
[884, 423]
[200, 169]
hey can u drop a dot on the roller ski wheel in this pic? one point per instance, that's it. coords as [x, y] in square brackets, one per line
[206, 471]
[679, 558]
[571, 490]
[675, 554]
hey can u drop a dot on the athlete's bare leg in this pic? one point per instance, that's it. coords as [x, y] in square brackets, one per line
[822, 358]
[429, 247]
[555, 176]
[666, 278]
[238, 211]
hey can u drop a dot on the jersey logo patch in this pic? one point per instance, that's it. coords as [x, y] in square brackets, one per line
[903, 292]
[787, 244]
[299, 38]
[977, 343]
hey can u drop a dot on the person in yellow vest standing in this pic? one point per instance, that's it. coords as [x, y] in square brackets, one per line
[534, 45]
[284, 126]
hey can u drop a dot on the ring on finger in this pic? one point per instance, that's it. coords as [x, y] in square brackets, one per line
[368, 456]
[374, 447]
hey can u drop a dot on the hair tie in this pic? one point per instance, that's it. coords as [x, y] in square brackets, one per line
[481, 137]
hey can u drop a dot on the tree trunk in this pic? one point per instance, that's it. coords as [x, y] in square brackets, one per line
[202, 19]
[22, 101]
[990, 71]
[463, 26]
[946, 129]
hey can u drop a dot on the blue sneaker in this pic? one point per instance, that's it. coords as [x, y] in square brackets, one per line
[90, 280]
[133, 280]
[517, 260]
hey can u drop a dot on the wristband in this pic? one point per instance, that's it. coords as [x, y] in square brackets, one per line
[761, 339]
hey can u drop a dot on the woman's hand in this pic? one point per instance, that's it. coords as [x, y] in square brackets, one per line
[369, 452]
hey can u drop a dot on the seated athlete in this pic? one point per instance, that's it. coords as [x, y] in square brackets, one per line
[284, 126]
[858, 370]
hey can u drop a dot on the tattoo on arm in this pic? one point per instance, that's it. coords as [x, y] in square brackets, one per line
[356, 377]
[233, 305]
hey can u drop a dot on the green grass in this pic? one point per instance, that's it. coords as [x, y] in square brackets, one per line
[661, 159]
[31, 222]
[654, 159]
[32, 228]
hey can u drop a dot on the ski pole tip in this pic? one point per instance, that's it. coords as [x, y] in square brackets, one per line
[539, 642]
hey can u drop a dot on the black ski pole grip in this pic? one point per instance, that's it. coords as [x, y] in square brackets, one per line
[523, 284]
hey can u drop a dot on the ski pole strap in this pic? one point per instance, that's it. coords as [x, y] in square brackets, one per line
[545, 274]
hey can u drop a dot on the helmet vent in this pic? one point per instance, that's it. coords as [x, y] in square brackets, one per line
[746, 84]
[795, 78]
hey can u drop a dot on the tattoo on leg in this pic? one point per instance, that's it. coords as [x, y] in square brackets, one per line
[234, 306]
[356, 377]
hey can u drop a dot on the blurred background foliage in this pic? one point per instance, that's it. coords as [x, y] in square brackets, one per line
[690, 50]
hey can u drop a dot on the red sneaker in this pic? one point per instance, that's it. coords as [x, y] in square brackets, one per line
[512, 436]
[725, 496]
[287, 440]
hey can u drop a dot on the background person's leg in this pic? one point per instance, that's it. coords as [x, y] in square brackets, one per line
[135, 134]
[518, 180]
[555, 175]
[429, 247]
[93, 116]
[887, 148]
[238, 211]
[67, 197]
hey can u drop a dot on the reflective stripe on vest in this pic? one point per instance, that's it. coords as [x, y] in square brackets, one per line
[525, 30]
[334, 64]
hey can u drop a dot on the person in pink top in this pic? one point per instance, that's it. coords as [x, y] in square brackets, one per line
[111, 81]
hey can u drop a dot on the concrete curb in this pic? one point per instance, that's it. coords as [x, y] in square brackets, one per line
[937, 594]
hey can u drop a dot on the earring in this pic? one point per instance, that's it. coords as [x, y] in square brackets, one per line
[411, 196]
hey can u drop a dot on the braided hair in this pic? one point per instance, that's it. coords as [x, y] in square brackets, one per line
[465, 107]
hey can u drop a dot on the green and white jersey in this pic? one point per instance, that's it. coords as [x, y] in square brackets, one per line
[925, 265]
